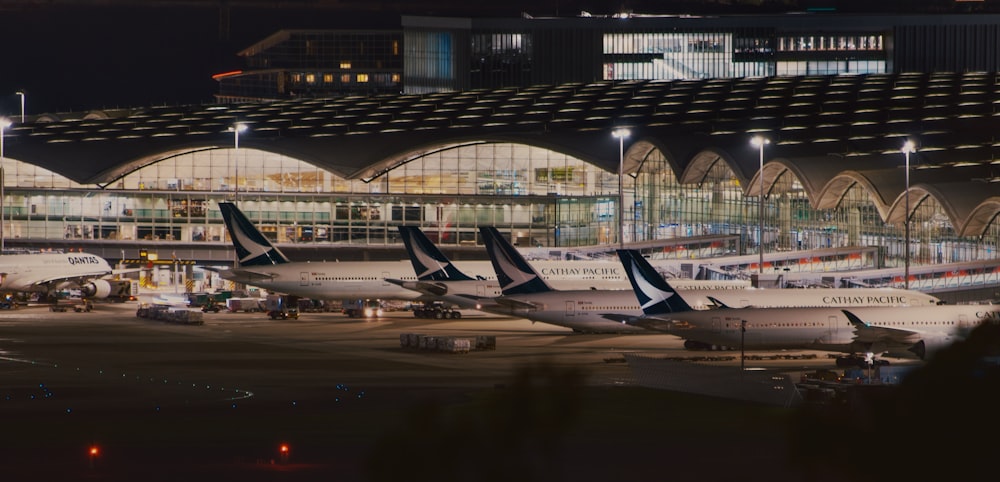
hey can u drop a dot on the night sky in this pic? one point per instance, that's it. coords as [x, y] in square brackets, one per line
[76, 56]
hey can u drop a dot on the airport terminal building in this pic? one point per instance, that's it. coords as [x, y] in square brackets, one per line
[509, 123]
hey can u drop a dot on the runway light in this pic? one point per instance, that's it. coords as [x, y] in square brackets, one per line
[92, 453]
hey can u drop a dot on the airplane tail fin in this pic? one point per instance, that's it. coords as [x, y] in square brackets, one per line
[428, 261]
[252, 248]
[515, 275]
[655, 295]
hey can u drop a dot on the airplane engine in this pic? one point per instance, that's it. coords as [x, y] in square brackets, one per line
[96, 288]
[926, 347]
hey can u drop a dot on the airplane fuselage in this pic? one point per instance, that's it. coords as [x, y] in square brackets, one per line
[826, 328]
[37, 272]
[587, 310]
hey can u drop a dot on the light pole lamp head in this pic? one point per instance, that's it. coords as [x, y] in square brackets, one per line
[5, 123]
[238, 127]
[759, 141]
[909, 147]
[621, 133]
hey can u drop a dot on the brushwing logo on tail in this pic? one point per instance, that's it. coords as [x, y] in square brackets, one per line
[646, 289]
[253, 248]
[510, 270]
[430, 264]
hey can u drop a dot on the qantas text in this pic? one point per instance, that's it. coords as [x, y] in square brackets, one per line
[75, 260]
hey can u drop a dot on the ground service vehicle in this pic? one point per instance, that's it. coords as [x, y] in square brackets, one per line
[436, 310]
[279, 307]
[363, 308]
[78, 305]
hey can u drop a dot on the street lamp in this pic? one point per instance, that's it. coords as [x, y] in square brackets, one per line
[23, 95]
[4, 124]
[759, 142]
[621, 133]
[908, 147]
[236, 129]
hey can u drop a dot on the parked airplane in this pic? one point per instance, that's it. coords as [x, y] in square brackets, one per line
[48, 272]
[527, 295]
[888, 330]
[260, 263]
[439, 278]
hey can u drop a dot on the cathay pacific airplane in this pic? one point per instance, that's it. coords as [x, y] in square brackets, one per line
[47, 272]
[439, 278]
[872, 330]
[261, 264]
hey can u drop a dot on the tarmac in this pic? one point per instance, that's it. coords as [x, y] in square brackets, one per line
[217, 401]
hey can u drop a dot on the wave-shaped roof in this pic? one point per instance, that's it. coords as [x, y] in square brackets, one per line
[830, 132]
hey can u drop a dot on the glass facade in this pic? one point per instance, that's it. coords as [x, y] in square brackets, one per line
[540, 197]
[707, 55]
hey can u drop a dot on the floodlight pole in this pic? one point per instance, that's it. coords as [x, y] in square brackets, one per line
[621, 133]
[236, 129]
[23, 95]
[908, 147]
[760, 142]
[4, 124]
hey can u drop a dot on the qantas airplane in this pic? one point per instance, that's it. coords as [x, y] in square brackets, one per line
[46, 272]
[888, 330]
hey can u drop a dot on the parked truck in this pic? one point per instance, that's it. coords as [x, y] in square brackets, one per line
[123, 290]
[281, 307]
[362, 308]
[247, 305]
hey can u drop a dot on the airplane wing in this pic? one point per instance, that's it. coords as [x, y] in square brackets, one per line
[429, 288]
[244, 274]
[517, 304]
[657, 323]
[618, 317]
[869, 334]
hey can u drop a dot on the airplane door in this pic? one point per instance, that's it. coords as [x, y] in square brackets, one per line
[832, 326]
[570, 308]
[481, 291]
[716, 324]
[385, 274]
[963, 321]
[304, 278]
